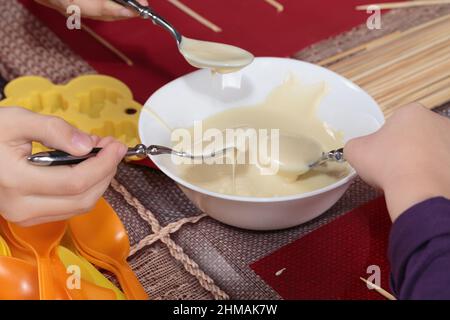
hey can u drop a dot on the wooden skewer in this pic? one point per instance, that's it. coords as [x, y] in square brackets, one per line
[276, 5]
[397, 60]
[432, 101]
[402, 71]
[367, 46]
[437, 99]
[397, 45]
[426, 91]
[107, 45]
[399, 68]
[392, 50]
[406, 4]
[378, 289]
[412, 65]
[411, 87]
[431, 84]
[384, 40]
[195, 15]
[377, 68]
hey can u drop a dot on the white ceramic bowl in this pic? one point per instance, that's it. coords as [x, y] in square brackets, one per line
[198, 95]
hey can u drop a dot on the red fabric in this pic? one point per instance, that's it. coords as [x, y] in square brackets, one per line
[251, 24]
[327, 263]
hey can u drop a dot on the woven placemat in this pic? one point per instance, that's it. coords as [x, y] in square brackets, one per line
[188, 255]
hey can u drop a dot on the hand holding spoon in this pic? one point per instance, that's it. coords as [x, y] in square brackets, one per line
[299, 154]
[221, 58]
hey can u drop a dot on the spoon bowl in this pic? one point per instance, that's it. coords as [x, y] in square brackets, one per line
[19, 280]
[221, 58]
[296, 154]
[299, 154]
[42, 241]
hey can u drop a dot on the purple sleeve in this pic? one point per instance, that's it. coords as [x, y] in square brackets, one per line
[419, 251]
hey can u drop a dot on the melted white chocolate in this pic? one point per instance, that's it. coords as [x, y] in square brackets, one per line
[221, 58]
[292, 109]
[296, 154]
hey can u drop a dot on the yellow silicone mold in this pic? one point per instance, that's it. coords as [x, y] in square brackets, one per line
[96, 104]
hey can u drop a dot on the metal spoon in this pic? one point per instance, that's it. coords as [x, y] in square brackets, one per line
[299, 154]
[58, 158]
[288, 164]
[219, 57]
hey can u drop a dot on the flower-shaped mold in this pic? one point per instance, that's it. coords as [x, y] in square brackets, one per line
[96, 104]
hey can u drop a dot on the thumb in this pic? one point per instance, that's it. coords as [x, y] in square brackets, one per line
[54, 132]
[360, 156]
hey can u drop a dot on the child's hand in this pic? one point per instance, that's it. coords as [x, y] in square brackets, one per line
[32, 195]
[409, 158]
[94, 9]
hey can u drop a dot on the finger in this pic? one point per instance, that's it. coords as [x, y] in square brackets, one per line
[49, 4]
[106, 9]
[354, 149]
[362, 156]
[105, 141]
[66, 180]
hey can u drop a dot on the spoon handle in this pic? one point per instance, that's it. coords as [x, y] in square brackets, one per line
[47, 288]
[61, 158]
[142, 10]
[148, 13]
[333, 155]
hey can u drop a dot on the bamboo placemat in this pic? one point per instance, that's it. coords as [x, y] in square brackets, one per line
[402, 67]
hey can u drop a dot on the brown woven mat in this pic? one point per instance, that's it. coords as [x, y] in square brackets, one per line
[186, 258]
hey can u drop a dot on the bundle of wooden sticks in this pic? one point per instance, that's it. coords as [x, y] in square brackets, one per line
[413, 65]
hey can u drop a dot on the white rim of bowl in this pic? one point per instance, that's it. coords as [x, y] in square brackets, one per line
[337, 184]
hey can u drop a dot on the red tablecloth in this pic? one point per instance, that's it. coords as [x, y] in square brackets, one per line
[251, 24]
[327, 263]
